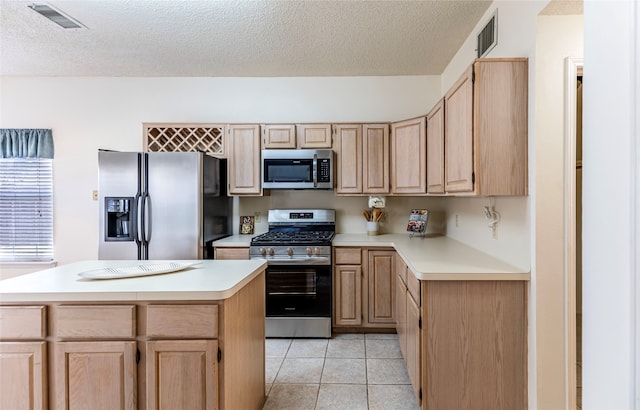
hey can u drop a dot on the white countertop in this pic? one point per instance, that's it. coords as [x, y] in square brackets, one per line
[439, 258]
[429, 258]
[210, 280]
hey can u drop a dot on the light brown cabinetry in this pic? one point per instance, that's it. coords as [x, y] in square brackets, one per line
[474, 345]
[408, 157]
[381, 284]
[143, 355]
[23, 358]
[243, 164]
[181, 374]
[314, 135]
[485, 132]
[408, 324]
[228, 253]
[94, 375]
[362, 158]
[435, 149]
[364, 286]
[23, 375]
[348, 149]
[375, 158]
[92, 367]
[279, 136]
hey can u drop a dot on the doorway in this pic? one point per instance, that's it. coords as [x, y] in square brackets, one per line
[573, 229]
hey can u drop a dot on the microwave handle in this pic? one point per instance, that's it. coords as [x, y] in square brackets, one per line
[315, 170]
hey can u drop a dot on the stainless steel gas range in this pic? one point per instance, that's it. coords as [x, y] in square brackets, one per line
[298, 280]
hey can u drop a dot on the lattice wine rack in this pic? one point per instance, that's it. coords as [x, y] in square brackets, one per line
[182, 137]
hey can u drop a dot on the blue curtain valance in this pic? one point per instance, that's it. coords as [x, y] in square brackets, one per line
[26, 143]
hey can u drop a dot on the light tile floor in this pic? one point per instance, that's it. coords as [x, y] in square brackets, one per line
[348, 371]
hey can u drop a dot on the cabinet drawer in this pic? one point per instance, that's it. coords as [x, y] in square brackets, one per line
[401, 268]
[180, 321]
[22, 322]
[348, 256]
[413, 286]
[232, 253]
[94, 321]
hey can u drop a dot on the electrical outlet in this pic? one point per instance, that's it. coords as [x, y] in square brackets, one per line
[257, 217]
[457, 220]
[94, 194]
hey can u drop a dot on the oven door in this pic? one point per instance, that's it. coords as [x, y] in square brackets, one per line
[298, 291]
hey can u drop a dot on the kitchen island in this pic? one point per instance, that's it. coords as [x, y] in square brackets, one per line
[187, 339]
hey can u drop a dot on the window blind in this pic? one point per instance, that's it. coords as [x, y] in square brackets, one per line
[26, 210]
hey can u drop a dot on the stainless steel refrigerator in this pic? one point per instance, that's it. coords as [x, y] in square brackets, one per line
[161, 205]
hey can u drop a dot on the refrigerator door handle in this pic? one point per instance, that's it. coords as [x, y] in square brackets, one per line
[136, 223]
[143, 226]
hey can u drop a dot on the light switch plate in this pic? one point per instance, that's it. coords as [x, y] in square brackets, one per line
[94, 194]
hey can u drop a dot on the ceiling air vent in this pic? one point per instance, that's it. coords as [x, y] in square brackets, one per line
[488, 36]
[56, 16]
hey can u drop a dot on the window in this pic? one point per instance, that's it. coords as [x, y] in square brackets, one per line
[26, 209]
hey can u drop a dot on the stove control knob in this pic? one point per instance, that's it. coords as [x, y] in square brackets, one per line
[309, 251]
[316, 250]
[289, 251]
[263, 251]
[271, 252]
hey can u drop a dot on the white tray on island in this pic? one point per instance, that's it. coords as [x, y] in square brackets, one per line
[135, 271]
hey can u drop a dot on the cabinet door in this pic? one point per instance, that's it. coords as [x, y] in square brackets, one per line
[348, 149]
[401, 315]
[181, 374]
[347, 295]
[413, 355]
[94, 375]
[435, 149]
[314, 135]
[381, 283]
[279, 136]
[23, 379]
[375, 159]
[408, 157]
[458, 135]
[500, 121]
[244, 160]
[232, 253]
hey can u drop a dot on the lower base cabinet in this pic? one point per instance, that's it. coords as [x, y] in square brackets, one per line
[94, 375]
[23, 377]
[364, 288]
[180, 374]
[464, 342]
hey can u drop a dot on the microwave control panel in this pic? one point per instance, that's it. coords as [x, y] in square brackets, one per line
[324, 166]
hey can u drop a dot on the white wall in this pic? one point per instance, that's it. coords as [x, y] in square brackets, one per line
[610, 189]
[91, 113]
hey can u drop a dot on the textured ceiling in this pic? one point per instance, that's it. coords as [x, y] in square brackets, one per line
[236, 38]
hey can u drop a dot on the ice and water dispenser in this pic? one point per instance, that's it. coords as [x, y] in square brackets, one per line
[119, 219]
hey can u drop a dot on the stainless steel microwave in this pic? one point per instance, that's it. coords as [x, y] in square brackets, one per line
[297, 169]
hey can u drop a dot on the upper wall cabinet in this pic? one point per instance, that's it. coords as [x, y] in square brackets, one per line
[375, 158]
[279, 136]
[244, 160]
[435, 149]
[348, 149]
[485, 129]
[314, 135]
[362, 158]
[408, 157]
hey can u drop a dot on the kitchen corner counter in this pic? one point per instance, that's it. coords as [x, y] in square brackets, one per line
[439, 258]
[211, 280]
[234, 241]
